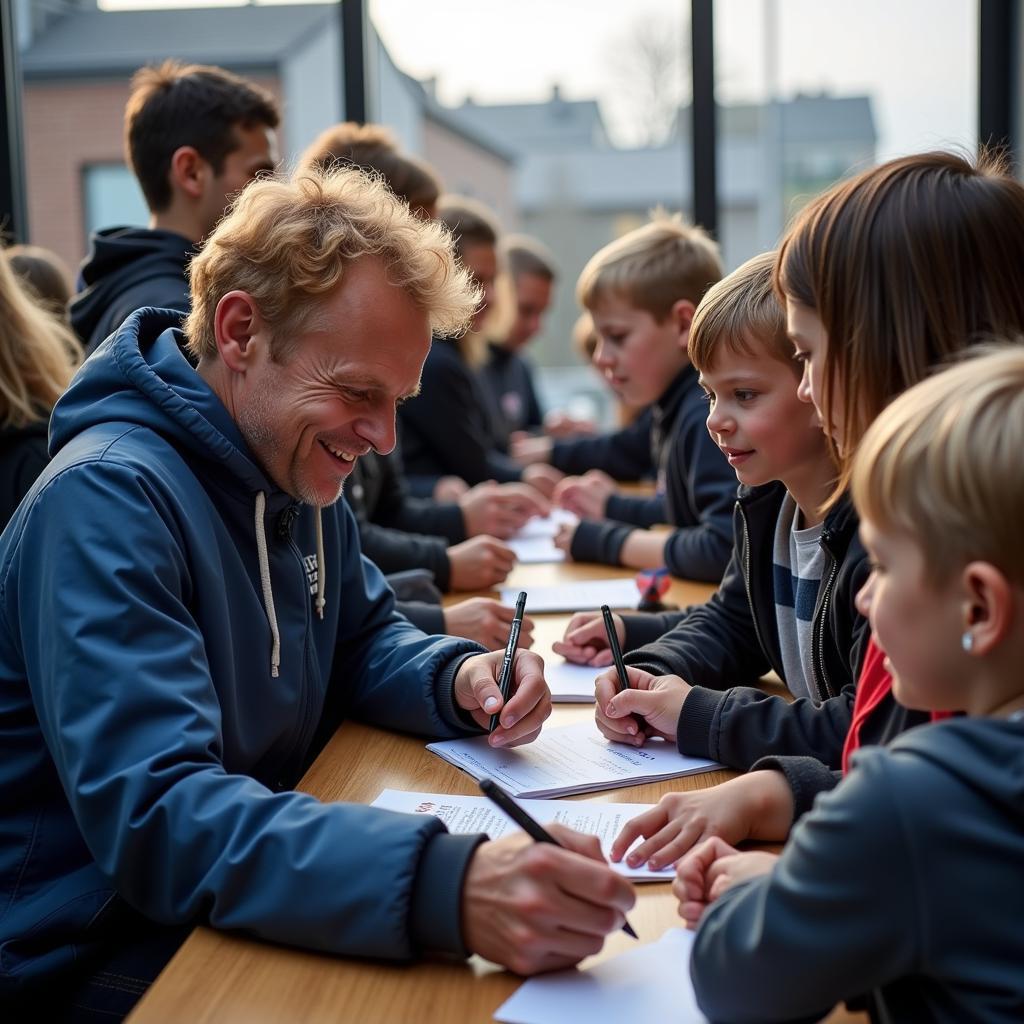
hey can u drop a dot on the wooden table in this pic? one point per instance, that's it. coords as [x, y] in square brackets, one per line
[220, 978]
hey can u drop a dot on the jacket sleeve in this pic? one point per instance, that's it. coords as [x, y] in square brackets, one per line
[397, 509]
[628, 508]
[645, 628]
[837, 917]
[624, 454]
[122, 690]
[393, 551]
[428, 617]
[806, 776]
[742, 724]
[699, 549]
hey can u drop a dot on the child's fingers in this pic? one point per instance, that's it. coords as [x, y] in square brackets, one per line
[642, 825]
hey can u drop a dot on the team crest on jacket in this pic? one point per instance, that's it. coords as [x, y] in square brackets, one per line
[312, 571]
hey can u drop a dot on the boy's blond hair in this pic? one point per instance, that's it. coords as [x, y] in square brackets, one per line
[743, 314]
[653, 267]
[289, 243]
[942, 463]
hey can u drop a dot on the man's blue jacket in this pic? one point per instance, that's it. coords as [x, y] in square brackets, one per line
[147, 745]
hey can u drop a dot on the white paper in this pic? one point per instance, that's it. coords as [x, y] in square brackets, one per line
[649, 984]
[569, 759]
[546, 526]
[463, 814]
[535, 550]
[569, 683]
[584, 595]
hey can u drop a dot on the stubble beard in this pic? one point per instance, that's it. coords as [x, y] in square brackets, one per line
[264, 442]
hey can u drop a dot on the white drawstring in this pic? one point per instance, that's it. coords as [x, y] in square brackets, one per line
[268, 593]
[321, 568]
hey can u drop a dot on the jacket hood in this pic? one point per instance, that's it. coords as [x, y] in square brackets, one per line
[967, 748]
[118, 259]
[139, 376]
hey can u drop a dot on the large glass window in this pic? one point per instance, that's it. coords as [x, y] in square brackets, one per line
[112, 198]
[813, 90]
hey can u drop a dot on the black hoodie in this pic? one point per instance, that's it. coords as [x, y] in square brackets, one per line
[126, 269]
[23, 457]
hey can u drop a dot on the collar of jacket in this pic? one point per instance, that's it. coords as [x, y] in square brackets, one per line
[838, 529]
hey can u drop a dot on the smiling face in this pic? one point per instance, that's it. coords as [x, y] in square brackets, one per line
[916, 624]
[334, 396]
[639, 356]
[810, 344]
[759, 421]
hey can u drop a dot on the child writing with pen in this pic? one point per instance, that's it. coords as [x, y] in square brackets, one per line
[902, 885]
[844, 273]
[641, 291]
[787, 600]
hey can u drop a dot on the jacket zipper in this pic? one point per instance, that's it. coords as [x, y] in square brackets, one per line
[746, 574]
[821, 681]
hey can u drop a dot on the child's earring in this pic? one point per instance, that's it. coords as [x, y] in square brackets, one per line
[967, 641]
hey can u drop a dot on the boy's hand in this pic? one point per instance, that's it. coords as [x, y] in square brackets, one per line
[449, 489]
[758, 805]
[528, 450]
[711, 869]
[499, 510]
[658, 699]
[543, 477]
[487, 622]
[564, 536]
[585, 641]
[479, 563]
[476, 691]
[587, 495]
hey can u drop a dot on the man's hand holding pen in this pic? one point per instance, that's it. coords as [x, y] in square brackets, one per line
[521, 718]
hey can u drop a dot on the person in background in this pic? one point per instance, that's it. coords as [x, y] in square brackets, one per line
[447, 432]
[642, 291]
[46, 275]
[456, 542]
[901, 887]
[194, 137]
[38, 355]
[508, 375]
[374, 147]
[623, 455]
[184, 610]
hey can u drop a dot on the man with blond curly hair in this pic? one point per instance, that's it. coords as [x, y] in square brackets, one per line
[185, 616]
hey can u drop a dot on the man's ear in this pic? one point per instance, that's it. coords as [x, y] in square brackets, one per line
[189, 172]
[236, 325]
[988, 606]
[682, 316]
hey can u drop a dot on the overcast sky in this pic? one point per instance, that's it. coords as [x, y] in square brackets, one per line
[916, 58]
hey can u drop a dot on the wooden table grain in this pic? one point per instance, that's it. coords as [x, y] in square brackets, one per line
[217, 978]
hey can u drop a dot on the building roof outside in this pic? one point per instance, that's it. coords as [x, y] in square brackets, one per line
[557, 123]
[819, 118]
[94, 43]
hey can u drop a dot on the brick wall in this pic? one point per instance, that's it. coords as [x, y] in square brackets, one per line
[69, 125]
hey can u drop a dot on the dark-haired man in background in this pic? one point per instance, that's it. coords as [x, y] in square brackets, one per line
[195, 136]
